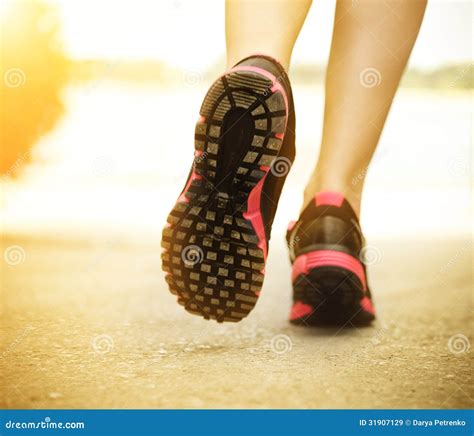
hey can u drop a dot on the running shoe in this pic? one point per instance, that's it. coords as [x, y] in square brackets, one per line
[217, 235]
[329, 276]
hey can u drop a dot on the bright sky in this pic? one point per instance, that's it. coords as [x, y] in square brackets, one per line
[190, 33]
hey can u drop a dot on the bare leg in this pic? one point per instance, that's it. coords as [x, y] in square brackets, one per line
[263, 26]
[371, 44]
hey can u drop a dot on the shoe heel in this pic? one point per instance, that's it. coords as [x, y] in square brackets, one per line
[329, 288]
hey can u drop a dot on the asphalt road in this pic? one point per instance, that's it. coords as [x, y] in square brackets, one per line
[92, 325]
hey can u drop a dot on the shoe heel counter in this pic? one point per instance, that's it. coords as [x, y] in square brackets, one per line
[328, 232]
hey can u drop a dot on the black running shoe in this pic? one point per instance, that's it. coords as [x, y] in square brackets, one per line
[216, 240]
[329, 276]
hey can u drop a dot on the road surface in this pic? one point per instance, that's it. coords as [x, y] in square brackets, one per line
[92, 325]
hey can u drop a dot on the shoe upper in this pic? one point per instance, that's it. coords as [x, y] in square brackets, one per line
[327, 223]
[329, 274]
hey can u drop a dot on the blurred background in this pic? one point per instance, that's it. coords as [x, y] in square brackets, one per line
[100, 101]
[98, 106]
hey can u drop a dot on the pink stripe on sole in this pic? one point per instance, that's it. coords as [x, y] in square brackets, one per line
[254, 215]
[182, 197]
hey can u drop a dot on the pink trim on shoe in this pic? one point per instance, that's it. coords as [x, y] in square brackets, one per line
[182, 197]
[291, 225]
[306, 262]
[254, 215]
[299, 310]
[366, 304]
[329, 198]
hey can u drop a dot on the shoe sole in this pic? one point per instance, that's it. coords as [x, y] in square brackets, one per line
[335, 297]
[214, 243]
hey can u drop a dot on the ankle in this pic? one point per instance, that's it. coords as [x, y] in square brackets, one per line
[350, 193]
[280, 56]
